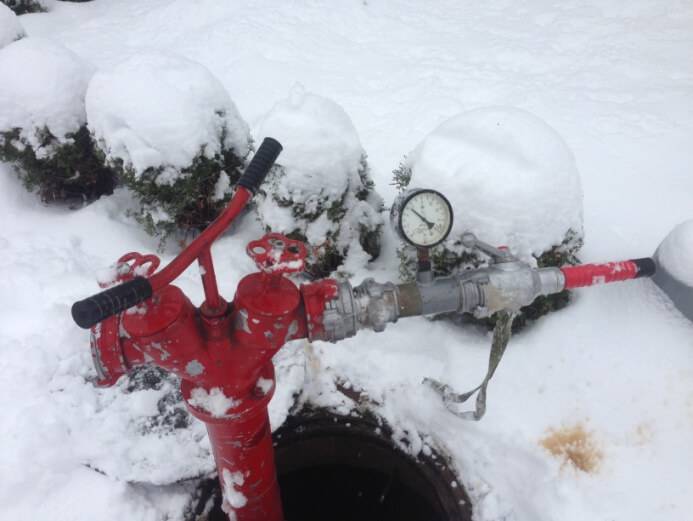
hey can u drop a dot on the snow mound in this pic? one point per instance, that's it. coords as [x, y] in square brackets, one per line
[159, 109]
[321, 190]
[675, 253]
[43, 87]
[509, 176]
[10, 28]
[322, 151]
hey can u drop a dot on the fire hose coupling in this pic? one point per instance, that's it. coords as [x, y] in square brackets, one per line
[509, 286]
[337, 310]
[376, 304]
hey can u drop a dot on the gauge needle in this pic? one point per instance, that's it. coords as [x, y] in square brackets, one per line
[428, 223]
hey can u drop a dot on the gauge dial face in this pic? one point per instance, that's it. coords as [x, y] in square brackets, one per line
[425, 218]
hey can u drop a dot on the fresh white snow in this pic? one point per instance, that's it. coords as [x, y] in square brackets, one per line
[232, 498]
[213, 401]
[509, 176]
[182, 110]
[320, 167]
[264, 385]
[322, 150]
[615, 81]
[676, 252]
[43, 86]
[10, 28]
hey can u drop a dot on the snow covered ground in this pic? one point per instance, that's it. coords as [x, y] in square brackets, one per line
[615, 79]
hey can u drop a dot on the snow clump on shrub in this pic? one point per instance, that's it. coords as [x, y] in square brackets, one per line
[10, 28]
[511, 180]
[675, 253]
[170, 129]
[320, 191]
[43, 121]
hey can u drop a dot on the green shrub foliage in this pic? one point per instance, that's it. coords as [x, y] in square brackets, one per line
[70, 171]
[189, 203]
[180, 149]
[31, 6]
[24, 6]
[321, 191]
[354, 215]
[43, 130]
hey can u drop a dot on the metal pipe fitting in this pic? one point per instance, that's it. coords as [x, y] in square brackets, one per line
[372, 305]
[512, 285]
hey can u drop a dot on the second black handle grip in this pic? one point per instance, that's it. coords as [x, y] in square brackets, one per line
[94, 309]
[261, 164]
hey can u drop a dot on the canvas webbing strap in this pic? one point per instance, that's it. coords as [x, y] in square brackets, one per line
[501, 336]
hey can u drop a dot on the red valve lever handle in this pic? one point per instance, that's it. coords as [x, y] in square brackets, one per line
[251, 179]
[591, 274]
[96, 308]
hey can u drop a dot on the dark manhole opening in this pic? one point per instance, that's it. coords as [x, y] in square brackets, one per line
[343, 468]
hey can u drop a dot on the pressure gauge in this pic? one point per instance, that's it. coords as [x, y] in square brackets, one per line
[422, 217]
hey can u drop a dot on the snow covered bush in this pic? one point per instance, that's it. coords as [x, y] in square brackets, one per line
[25, 6]
[511, 180]
[43, 121]
[675, 254]
[320, 191]
[171, 131]
[10, 28]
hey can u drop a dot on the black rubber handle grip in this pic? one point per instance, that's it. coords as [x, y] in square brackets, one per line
[92, 310]
[260, 165]
[646, 267]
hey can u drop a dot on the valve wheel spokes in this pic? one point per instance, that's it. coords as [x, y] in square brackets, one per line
[142, 265]
[277, 254]
[131, 265]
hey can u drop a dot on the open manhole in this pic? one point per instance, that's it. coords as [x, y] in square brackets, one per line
[343, 468]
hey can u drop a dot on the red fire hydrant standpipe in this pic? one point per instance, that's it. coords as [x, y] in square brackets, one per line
[222, 351]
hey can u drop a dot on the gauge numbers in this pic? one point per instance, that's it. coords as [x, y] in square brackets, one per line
[425, 218]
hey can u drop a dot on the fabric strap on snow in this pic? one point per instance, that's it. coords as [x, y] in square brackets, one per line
[501, 336]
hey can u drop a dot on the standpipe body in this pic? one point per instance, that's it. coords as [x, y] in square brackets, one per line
[227, 378]
[222, 353]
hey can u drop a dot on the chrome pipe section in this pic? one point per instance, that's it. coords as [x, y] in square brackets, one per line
[502, 286]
